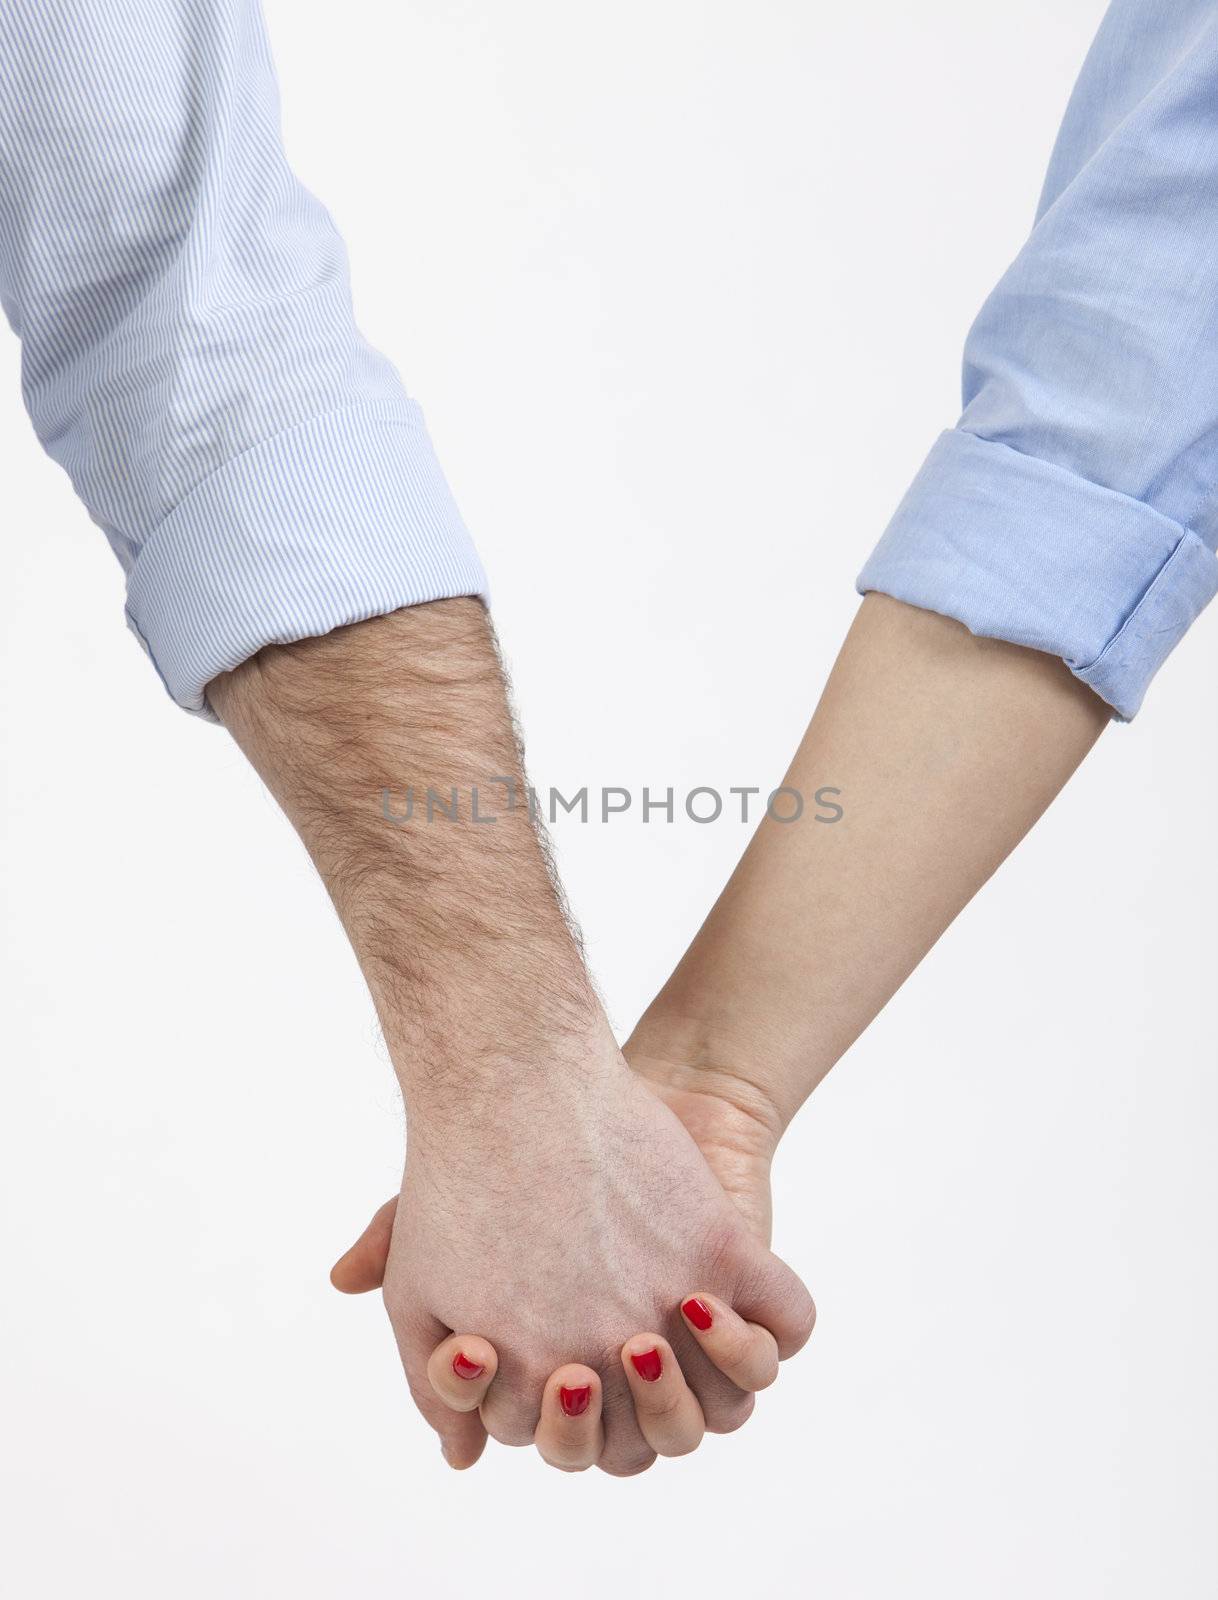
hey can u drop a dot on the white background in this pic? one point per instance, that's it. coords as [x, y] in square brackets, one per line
[682, 288]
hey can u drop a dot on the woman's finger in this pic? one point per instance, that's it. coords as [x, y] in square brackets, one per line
[461, 1369]
[667, 1409]
[462, 1436]
[569, 1434]
[743, 1351]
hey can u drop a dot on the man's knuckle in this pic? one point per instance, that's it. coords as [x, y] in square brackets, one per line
[805, 1322]
[763, 1374]
[683, 1446]
[729, 1415]
[564, 1461]
[512, 1434]
[628, 1464]
[508, 1422]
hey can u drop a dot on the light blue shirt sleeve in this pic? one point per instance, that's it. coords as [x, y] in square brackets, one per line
[1074, 507]
[189, 353]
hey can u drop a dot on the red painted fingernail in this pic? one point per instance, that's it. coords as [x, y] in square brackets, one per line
[649, 1365]
[574, 1401]
[465, 1368]
[698, 1312]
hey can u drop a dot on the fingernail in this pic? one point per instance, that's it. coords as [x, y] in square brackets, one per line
[574, 1401]
[697, 1312]
[649, 1365]
[465, 1368]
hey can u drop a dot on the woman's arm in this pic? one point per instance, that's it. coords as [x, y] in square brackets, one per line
[946, 749]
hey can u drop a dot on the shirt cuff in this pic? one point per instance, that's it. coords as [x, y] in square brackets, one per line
[1017, 548]
[341, 518]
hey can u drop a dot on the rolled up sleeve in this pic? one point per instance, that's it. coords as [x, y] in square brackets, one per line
[189, 350]
[1074, 507]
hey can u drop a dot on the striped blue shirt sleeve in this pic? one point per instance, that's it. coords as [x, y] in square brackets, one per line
[1074, 507]
[189, 353]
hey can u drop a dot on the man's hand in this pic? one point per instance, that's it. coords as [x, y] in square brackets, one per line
[557, 1229]
[735, 1132]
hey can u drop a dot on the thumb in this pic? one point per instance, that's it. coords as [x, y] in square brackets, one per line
[363, 1266]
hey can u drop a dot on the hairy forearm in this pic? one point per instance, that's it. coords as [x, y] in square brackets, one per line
[456, 922]
[946, 749]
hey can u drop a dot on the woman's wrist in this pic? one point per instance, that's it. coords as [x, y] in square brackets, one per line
[728, 1052]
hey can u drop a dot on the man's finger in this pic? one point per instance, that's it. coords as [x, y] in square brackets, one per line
[363, 1266]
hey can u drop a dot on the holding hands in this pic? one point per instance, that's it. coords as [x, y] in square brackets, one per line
[650, 1180]
[579, 1253]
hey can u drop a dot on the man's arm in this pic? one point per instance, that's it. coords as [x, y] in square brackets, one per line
[550, 1202]
[190, 357]
[378, 741]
